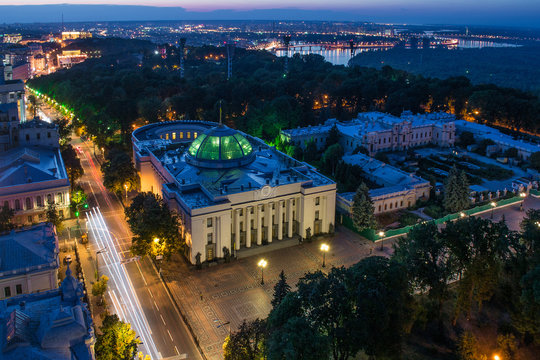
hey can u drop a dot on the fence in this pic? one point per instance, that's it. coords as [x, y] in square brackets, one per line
[371, 234]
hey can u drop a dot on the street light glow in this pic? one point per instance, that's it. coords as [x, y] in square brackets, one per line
[496, 357]
[325, 247]
[262, 263]
[381, 233]
[462, 214]
[493, 203]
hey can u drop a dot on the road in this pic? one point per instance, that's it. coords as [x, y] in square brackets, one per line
[161, 323]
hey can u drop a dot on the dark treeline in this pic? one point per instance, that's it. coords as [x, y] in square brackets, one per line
[133, 86]
[440, 293]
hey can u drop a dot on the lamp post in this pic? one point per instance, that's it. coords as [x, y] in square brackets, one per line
[126, 187]
[381, 236]
[523, 195]
[493, 205]
[462, 214]
[324, 249]
[262, 264]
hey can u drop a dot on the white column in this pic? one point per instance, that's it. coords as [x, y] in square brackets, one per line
[280, 219]
[248, 226]
[259, 224]
[270, 222]
[290, 217]
[237, 229]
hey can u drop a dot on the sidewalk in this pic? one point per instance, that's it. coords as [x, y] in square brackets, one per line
[233, 292]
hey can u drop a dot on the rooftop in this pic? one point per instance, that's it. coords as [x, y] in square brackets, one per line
[23, 165]
[202, 179]
[28, 249]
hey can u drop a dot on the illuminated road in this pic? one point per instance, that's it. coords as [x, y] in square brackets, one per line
[121, 292]
[167, 329]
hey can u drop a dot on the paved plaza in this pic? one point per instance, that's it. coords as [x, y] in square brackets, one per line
[232, 292]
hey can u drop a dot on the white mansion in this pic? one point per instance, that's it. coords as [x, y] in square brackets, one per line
[231, 190]
[377, 131]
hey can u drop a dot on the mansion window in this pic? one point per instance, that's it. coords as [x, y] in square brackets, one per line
[28, 203]
[38, 201]
[7, 291]
[17, 204]
[27, 137]
[317, 200]
[48, 134]
[18, 289]
[209, 239]
[209, 222]
[49, 199]
[38, 136]
[252, 224]
[317, 215]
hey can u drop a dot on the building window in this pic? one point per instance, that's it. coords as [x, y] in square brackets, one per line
[241, 226]
[181, 135]
[195, 135]
[317, 215]
[49, 199]
[293, 215]
[252, 224]
[38, 201]
[38, 136]
[60, 198]
[209, 222]
[7, 291]
[283, 205]
[379, 208]
[391, 205]
[209, 239]
[188, 135]
[28, 203]
[18, 289]
[251, 210]
[27, 137]
[167, 136]
[385, 206]
[241, 212]
[174, 136]
[293, 202]
[317, 200]
[48, 134]
[29, 218]
[396, 204]
[401, 203]
[17, 204]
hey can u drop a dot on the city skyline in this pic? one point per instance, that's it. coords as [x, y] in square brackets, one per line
[523, 13]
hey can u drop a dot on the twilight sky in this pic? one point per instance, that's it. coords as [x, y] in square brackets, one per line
[524, 13]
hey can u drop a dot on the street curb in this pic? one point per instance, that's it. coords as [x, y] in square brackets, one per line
[179, 310]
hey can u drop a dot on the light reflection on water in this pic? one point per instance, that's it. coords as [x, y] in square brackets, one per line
[342, 56]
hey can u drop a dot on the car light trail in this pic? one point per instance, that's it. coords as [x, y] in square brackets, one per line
[129, 309]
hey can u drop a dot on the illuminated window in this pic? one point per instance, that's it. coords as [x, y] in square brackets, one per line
[181, 135]
[174, 136]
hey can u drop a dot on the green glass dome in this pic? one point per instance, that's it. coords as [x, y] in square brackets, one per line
[220, 147]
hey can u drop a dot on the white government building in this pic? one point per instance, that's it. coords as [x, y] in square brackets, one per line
[377, 132]
[231, 190]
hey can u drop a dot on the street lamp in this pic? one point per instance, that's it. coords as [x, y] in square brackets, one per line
[126, 187]
[324, 249]
[493, 205]
[381, 236]
[462, 214]
[496, 357]
[262, 264]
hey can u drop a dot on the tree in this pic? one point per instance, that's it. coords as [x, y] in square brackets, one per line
[118, 172]
[363, 210]
[528, 319]
[100, 287]
[534, 159]
[477, 247]
[73, 164]
[150, 218]
[116, 340]
[333, 136]
[6, 217]
[511, 152]
[331, 156]
[466, 138]
[425, 256]
[468, 347]
[64, 130]
[311, 153]
[281, 289]
[78, 198]
[54, 217]
[456, 191]
[33, 104]
[247, 343]
[382, 306]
